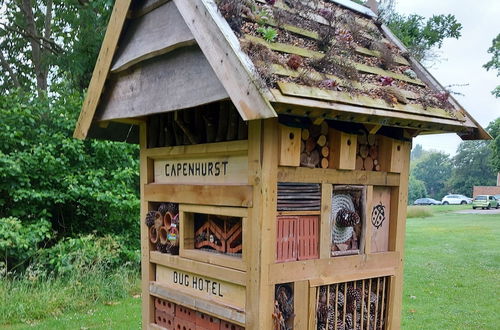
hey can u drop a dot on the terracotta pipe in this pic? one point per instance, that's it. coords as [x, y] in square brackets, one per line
[163, 235]
[167, 219]
[158, 220]
[153, 234]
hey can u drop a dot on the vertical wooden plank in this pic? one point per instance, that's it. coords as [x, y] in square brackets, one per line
[325, 229]
[343, 150]
[380, 218]
[368, 214]
[396, 241]
[147, 268]
[255, 179]
[313, 307]
[301, 305]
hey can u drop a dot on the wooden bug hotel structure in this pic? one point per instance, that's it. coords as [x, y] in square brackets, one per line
[274, 155]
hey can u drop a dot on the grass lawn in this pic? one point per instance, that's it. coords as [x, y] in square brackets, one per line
[452, 271]
[452, 279]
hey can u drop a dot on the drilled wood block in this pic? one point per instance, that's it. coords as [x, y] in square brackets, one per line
[289, 146]
[343, 150]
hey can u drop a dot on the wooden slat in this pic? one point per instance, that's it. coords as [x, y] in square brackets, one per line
[146, 37]
[206, 150]
[222, 49]
[283, 71]
[102, 67]
[319, 175]
[292, 89]
[180, 79]
[290, 49]
[199, 267]
[147, 6]
[220, 195]
[335, 270]
[198, 304]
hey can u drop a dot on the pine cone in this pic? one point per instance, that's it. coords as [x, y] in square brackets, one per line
[348, 321]
[340, 298]
[163, 248]
[150, 218]
[322, 313]
[168, 207]
[346, 218]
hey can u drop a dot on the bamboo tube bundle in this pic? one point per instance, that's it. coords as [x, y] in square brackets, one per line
[314, 146]
[367, 153]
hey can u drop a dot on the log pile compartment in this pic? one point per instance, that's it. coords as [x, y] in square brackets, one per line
[297, 232]
[367, 153]
[163, 223]
[283, 315]
[352, 305]
[347, 220]
[217, 122]
[218, 234]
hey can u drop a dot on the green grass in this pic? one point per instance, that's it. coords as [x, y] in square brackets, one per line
[418, 211]
[452, 272]
[27, 299]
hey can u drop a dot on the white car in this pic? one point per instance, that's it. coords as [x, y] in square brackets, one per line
[456, 199]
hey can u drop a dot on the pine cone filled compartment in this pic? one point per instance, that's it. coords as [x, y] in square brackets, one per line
[347, 220]
[283, 315]
[352, 305]
[163, 223]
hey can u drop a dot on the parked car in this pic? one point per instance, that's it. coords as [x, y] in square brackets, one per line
[426, 201]
[456, 199]
[485, 202]
[497, 197]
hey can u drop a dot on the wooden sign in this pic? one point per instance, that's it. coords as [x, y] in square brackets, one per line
[379, 218]
[213, 170]
[201, 286]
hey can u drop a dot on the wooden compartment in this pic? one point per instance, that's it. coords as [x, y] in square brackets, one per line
[392, 154]
[353, 305]
[162, 220]
[289, 140]
[347, 221]
[283, 315]
[343, 150]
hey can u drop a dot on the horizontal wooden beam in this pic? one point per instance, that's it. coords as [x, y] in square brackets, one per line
[198, 304]
[335, 269]
[220, 195]
[198, 267]
[210, 149]
[320, 175]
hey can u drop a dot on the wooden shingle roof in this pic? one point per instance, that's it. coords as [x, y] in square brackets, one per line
[317, 59]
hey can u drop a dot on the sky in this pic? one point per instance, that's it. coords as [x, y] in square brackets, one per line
[463, 60]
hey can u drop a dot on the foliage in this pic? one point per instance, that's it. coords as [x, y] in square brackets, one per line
[471, 167]
[18, 241]
[416, 189]
[269, 34]
[421, 35]
[434, 169]
[418, 212]
[47, 176]
[417, 152]
[48, 41]
[73, 255]
[494, 63]
[494, 130]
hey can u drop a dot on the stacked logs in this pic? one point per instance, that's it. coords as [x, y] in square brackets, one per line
[163, 228]
[314, 149]
[215, 122]
[367, 154]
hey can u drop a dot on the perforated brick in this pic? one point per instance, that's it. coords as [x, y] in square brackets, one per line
[224, 325]
[180, 324]
[206, 322]
[185, 313]
[165, 306]
[164, 320]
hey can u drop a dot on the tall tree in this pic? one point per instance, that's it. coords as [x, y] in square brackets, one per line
[434, 170]
[494, 63]
[494, 130]
[44, 40]
[471, 167]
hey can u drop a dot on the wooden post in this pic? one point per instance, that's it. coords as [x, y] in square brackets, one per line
[396, 239]
[147, 269]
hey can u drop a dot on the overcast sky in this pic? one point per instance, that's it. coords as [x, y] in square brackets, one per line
[463, 60]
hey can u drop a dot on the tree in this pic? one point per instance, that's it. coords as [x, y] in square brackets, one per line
[434, 170]
[471, 167]
[45, 41]
[416, 189]
[417, 152]
[494, 63]
[494, 130]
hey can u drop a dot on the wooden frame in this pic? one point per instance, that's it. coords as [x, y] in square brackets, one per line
[187, 236]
